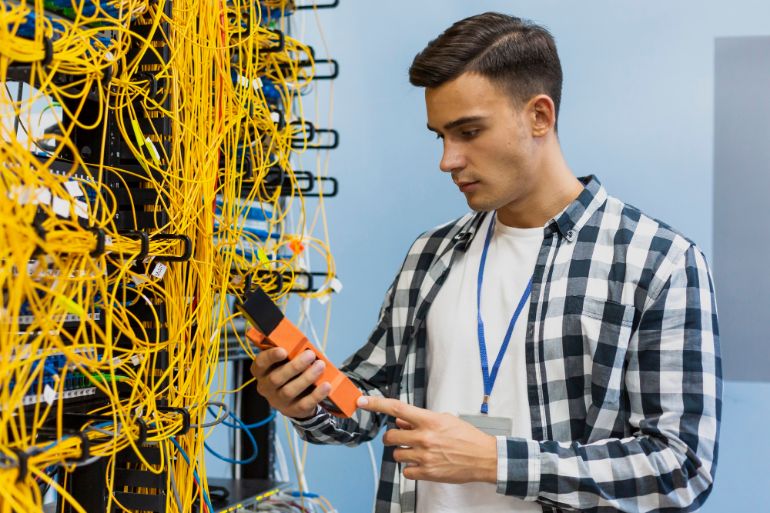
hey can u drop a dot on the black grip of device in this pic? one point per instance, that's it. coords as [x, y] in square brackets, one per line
[260, 310]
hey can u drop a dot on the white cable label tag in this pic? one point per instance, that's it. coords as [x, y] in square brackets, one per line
[159, 271]
[49, 395]
[73, 188]
[81, 209]
[61, 207]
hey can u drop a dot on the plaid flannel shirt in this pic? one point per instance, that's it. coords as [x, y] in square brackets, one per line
[622, 355]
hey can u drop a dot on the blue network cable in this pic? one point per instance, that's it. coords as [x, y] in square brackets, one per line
[308, 495]
[246, 429]
[256, 425]
[195, 474]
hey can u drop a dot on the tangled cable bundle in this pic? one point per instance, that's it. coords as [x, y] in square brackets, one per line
[162, 188]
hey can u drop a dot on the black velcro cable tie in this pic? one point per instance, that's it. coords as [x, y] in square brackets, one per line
[186, 253]
[101, 241]
[142, 438]
[107, 76]
[22, 462]
[185, 418]
[48, 51]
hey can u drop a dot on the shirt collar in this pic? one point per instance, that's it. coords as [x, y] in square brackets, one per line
[468, 230]
[570, 220]
[567, 223]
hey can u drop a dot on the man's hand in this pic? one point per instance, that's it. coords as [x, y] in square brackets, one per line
[286, 384]
[436, 446]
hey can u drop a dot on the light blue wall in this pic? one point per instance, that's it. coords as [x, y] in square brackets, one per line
[637, 111]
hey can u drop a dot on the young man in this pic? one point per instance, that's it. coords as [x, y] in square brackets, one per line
[572, 339]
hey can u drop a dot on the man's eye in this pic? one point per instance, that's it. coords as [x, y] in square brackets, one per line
[469, 133]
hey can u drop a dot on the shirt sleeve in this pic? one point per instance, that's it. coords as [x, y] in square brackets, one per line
[674, 384]
[372, 369]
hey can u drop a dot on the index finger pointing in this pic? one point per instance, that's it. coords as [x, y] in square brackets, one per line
[394, 408]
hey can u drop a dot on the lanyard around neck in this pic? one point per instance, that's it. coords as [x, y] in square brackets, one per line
[489, 379]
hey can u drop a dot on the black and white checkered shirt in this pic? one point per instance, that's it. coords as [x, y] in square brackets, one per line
[623, 368]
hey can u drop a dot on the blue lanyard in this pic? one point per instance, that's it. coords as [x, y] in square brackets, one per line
[489, 380]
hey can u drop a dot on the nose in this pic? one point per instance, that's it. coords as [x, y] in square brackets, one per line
[452, 159]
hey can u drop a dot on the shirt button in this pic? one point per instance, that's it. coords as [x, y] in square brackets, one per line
[571, 235]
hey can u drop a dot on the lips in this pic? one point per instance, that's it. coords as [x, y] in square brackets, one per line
[466, 186]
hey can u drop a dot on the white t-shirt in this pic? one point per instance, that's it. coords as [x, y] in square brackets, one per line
[455, 383]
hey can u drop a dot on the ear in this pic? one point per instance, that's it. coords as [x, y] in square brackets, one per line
[542, 113]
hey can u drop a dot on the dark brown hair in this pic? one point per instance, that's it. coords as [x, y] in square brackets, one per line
[513, 53]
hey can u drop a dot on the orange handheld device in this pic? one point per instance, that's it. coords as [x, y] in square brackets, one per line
[272, 329]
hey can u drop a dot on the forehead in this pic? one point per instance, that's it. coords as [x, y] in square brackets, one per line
[469, 94]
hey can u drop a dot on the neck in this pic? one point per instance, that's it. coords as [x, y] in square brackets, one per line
[555, 188]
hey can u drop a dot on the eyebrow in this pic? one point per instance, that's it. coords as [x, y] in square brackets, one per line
[458, 122]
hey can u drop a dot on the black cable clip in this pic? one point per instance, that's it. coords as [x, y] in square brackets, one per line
[310, 281]
[308, 285]
[273, 179]
[330, 5]
[279, 47]
[142, 237]
[185, 418]
[328, 146]
[323, 192]
[101, 241]
[85, 448]
[107, 76]
[278, 286]
[281, 123]
[40, 231]
[22, 462]
[334, 66]
[112, 70]
[299, 143]
[243, 165]
[47, 51]
[152, 82]
[186, 254]
[304, 182]
[142, 438]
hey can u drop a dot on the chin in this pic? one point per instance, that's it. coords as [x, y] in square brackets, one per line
[478, 205]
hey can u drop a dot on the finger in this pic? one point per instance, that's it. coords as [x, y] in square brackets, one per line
[320, 393]
[416, 473]
[400, 437]
[285, 373]
[266, 359]
[394, 408]
[406, 456]
[294, 388]
[402, 424]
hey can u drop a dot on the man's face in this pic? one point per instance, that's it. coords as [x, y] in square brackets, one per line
[488, 144]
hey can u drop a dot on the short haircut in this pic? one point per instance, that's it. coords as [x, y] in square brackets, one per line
[515, 54]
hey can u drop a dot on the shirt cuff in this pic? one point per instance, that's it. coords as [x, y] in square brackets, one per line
[310, 420]
[518, 467]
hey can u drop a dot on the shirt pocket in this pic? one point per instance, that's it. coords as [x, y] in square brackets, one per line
[605, 328]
